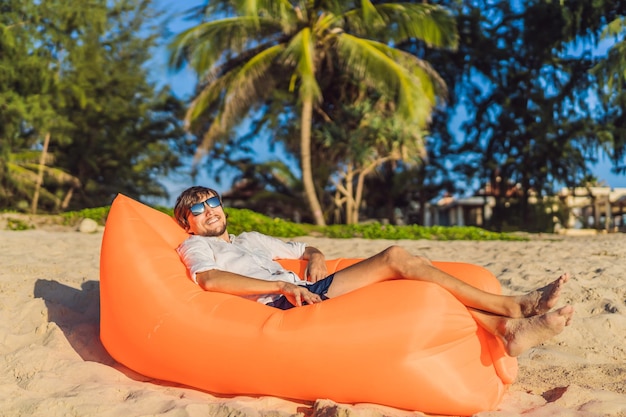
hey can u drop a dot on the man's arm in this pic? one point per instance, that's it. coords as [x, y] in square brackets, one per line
[231, 283]
[317, 263]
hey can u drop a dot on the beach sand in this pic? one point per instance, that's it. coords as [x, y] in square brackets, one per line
[53, 364]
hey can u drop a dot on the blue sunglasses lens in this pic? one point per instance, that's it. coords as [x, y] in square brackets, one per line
[198, 208]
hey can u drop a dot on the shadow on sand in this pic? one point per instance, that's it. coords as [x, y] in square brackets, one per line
[77, 313]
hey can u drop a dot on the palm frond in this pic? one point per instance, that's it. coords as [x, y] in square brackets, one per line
[22, 173]
[207, 96]
[239, 90]
[29, 156]
[370, 15]
[611, 71]
[61, 177]
[280, 10]
[206, 44]
[208, 140]
[396, 74]
[234, 62]
[252, 82]
[300, 52]
[56, 175]
[429, 23]
[325, 24]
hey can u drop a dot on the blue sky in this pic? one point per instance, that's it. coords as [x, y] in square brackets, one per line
[183, 82]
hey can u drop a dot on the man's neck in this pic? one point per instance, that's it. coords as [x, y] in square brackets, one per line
[225, 236]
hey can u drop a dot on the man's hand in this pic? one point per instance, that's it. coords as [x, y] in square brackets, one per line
[298, 295]
[316, 269]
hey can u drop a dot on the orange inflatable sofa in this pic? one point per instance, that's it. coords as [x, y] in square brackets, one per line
[404, 344]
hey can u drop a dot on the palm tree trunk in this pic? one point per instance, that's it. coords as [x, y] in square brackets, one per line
[305, 156]
[66, 200]
[350, 205]
[42, 163]
[360, 185]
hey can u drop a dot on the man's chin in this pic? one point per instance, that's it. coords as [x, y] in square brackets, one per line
[214, 233]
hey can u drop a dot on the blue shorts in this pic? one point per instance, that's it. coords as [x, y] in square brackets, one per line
[320, 288]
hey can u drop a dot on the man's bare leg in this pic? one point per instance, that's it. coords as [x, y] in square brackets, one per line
[395, 263]
[519, 335]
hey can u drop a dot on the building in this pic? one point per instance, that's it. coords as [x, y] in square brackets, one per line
[588, 208]
[601, 208]
[468, 211]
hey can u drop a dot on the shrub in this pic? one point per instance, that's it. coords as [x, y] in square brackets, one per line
[99, 214]
[244, 220]
[413, 232]
[17, 224]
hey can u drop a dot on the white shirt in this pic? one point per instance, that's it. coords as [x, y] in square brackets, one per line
[250, 254]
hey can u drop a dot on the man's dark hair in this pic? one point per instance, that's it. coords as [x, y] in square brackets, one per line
[188, 198]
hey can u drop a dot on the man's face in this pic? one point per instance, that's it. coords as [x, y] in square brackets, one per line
[211, 222]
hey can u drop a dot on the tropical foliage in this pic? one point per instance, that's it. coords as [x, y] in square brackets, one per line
[80, 121]
[246, 50]
[243, 220]
[611, 74]
[23, 172]
[522, 77]
[347, 93]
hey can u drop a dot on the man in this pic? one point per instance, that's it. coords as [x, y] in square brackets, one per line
[244, 265]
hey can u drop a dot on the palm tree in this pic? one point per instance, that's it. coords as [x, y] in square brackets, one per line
[21, 178]
[246, 49]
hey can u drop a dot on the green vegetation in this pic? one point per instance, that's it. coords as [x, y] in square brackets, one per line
[99, 214]
[306, 49]
[80, 120]
[17, 224]
[413, 232]
[532, 120]
[366, 108]
[243, 220]
[247, 220]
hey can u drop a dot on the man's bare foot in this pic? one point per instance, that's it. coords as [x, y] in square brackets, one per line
[520, 335]
[541, 300]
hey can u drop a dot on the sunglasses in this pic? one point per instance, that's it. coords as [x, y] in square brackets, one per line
[198, 208]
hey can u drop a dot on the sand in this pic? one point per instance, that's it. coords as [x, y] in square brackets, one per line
[53, 364]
